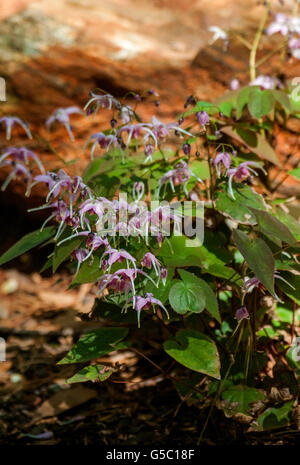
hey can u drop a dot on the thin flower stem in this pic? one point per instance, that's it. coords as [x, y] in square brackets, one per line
[269, 55]
[220, 387]
[174, 378]
[243, 41]
[252, 59]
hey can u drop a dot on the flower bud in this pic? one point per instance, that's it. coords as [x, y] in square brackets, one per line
[186, 149]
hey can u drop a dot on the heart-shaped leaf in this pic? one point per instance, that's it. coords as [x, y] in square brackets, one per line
[275, 417]
[261, 102]
[240, 398]
[242, 100]
[177, 253]
[283, 99]
[211, 303]
[195, 351]
[184, 297]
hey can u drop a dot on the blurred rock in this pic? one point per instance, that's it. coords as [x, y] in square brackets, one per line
[54, 52]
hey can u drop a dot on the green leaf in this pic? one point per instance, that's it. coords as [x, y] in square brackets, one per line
[239, 398]
[161, 292]
[295, 173]
[255, 142]
[226, 108]
[239, 209]
[283, 99]
[272, 227]
[275, 417]
[91, 373]
[228, 97]
[289, 221]
[260, 103]
[184, 297]
[94, 167]
[294, 281]
[201, 106]
[259, 257]
[242, 100]
[27, 242]
[47, 265]
[211, 302]
[286, 315]
[175, 252]
[201, 169]
[95, 344]
[88, 272]
[63, 252]
[195, 351]
[110, 311]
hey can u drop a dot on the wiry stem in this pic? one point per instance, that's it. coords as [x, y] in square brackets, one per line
[252, 60]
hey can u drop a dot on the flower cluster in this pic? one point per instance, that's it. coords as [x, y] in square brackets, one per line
[240, 173]
[107, 232]
[180, 175]
[105, 227]
[289, 27]
[266, 82]
[18, 160]
[152, 134]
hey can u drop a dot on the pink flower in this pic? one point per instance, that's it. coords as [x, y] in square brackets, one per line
[266, 82]
[62, 115]
[241, 173]
[118, 256]
[22, 154]
[179, 175]
[144, 303]
[149, 149]
[202, 118]
[223, 158]
[219, 33]
[9, 121]
[101, 101]
[105, 142]
[162, 130]
[251, 283]
[150, 261]
[127, 114]
[241, 314]
[80, 255]
[234, 84]
[138, 190]
[122, 281]
[18, 171]
[281, 24]
[294, 46]
[91, 207]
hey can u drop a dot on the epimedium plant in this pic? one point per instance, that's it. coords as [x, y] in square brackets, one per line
[178, 227]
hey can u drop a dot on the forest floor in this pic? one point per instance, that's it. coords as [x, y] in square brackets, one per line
[40, 321]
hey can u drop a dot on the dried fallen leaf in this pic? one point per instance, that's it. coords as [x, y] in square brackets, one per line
[65, 400]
